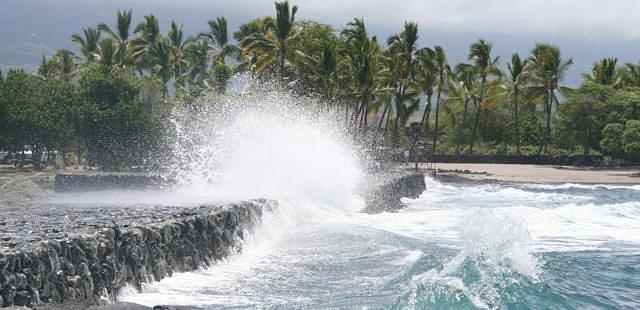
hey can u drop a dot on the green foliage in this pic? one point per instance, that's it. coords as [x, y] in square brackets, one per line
[4, 129]
[38, 114]
[21, 97]
[112, 122]
[612, 142]
[107, 103]
[632, 139]
[587, 111]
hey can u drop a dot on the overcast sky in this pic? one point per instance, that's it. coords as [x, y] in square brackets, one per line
[586, 30]
[587, 18]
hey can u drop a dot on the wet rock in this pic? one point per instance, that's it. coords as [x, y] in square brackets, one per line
[22, 298]
[66, 182]
[385, 190]
[19, 189]
[100, 257]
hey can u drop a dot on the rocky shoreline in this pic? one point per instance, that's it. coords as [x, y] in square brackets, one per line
[384, 190]
[57, 256]
[93, 267]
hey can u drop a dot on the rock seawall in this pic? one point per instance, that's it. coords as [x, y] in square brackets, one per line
[75, 182]
[87, 253]
[384, 191]
[94, 265]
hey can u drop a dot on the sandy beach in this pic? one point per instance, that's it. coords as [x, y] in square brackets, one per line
[542, 173]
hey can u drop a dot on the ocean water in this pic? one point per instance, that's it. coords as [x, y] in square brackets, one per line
[458, 246]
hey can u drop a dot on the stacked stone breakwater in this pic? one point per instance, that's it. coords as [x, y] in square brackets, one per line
[60, 254]
[384, 191]
[86, 253]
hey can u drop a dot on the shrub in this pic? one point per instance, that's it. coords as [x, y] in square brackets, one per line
[632, 140]
[612, 142]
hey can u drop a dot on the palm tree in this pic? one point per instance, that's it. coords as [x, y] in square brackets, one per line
[443, 69]
[402, 51]
[516, 80]
[148, 30]
[107, 53]
[177, 44]
[66, 64]
[120, 34]
[284, 28]
[260, 25]
[197, 54]
[47, 69]
[161, 60]
[427, 77]
[486, 65]
[361, 52]
[462, 82]
[547, 68]
[62, 66]
[148, 34]
[218, 38]
[89, 43]
[631, 76]
[605, 72]
[247, 35]
[271, 46]
[405, 43]
[321, 67]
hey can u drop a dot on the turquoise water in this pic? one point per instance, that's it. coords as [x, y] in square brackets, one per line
[458, 246]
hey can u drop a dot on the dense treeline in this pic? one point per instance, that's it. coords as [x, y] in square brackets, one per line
[102, 106]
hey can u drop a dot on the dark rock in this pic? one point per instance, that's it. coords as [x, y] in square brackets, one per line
[22, 298]
[98, 260]
[384, 191]
[71, 182]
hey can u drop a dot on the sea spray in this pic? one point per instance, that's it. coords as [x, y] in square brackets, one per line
[458, 246]
[494, 256]
[264, 145]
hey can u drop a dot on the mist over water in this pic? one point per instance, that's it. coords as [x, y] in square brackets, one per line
[265, 145]
[458, 246]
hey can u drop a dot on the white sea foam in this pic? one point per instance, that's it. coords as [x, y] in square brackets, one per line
[265, 146]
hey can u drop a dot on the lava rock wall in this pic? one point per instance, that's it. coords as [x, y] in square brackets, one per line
[385, 194]
[76, 182]
[94, 267]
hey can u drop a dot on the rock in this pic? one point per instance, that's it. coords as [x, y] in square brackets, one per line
[66, 182]
[19, 189]
[22, 298]
[8, 293]
[99, 260]
[20, 280]
[386, 190]
[5, 278]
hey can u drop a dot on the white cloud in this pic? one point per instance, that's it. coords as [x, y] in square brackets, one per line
[587, 18]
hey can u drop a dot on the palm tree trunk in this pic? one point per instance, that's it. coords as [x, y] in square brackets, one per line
[475, 129]
[426, 114]
[386, 123]
[517, 120]
[63, 154]
[355, 116]
[585, 145]
[435, 128]
[365, 114]
[346, 114]
[283, 51]
[384, 113]
[464, 123]
[478, 111]
[378, 130]
[547, 128]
